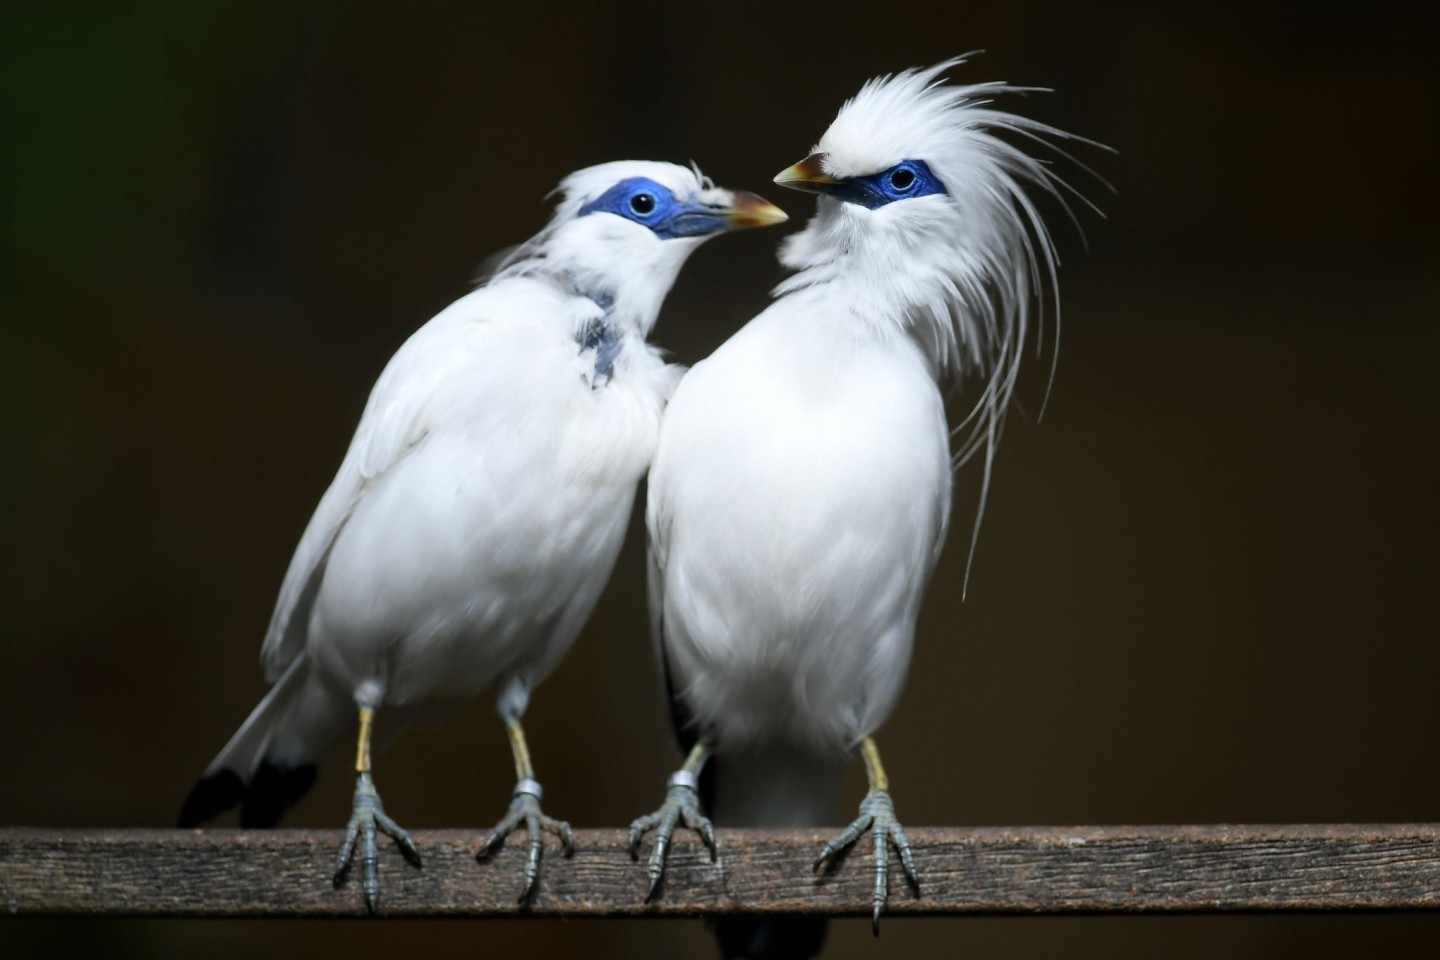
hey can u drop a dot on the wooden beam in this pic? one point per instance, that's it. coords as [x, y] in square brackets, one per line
[992, 870]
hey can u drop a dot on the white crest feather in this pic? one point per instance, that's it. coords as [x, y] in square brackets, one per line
[967, 278]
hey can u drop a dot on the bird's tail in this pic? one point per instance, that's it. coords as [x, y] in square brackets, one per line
[774, 787]
[269, 763]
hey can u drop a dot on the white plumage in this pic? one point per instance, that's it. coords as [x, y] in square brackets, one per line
[795, 509]
[801, 490]
[479, 509]
[478, 512]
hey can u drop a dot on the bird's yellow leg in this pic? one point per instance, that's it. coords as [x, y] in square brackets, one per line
[520, 750]
[367, 818]
[525, 809]
[362, 742]
[874, 769]
[681, 806]
[696, 759]
[877, 814]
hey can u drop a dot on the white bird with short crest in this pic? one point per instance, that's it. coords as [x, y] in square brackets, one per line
[477, 515]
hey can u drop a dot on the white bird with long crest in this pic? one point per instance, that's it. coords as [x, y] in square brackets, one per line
[801, 492]
[478, 513]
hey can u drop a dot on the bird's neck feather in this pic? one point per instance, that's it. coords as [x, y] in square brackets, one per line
[883, 279]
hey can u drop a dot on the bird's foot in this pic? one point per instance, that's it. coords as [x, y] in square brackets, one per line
[525, 809]
[366, 819]
[681, 806]
[877, 814]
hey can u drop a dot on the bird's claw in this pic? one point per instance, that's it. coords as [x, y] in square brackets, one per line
[525, 809]
[368, 818]
[877, 814]
[681, 807]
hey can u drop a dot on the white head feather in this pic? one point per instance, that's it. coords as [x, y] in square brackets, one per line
[609, 255]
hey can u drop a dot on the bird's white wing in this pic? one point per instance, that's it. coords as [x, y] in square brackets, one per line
[394, 423]
[657, 543]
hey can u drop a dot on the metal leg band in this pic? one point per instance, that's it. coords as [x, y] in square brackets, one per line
[684, 778]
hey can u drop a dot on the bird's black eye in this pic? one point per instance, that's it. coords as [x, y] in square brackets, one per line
[902, 179]
[642, 203]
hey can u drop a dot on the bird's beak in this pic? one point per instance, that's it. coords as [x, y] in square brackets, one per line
[745, 210]
[748, 210]
[809, 176]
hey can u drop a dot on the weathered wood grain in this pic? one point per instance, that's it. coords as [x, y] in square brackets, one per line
[1022, 870]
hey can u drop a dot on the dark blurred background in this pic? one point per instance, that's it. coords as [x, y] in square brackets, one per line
[1204, 590]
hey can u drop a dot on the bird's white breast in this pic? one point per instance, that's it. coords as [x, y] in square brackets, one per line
[482, 549]
[800, 490]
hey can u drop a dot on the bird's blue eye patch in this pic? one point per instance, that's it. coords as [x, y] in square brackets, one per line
[649, 204]
[639, 199]
[906, 180]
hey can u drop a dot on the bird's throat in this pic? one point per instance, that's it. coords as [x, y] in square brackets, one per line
[601, 337]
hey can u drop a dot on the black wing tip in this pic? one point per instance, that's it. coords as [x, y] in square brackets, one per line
[211, 796]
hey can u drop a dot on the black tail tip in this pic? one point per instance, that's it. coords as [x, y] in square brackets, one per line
[750, 938]
[212, 796]
[271, 791]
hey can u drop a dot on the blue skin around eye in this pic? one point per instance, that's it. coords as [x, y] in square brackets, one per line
[668, 219]
[876, 190]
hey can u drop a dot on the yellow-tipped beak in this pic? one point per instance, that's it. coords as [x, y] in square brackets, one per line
[808, 176]
[751, 210]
